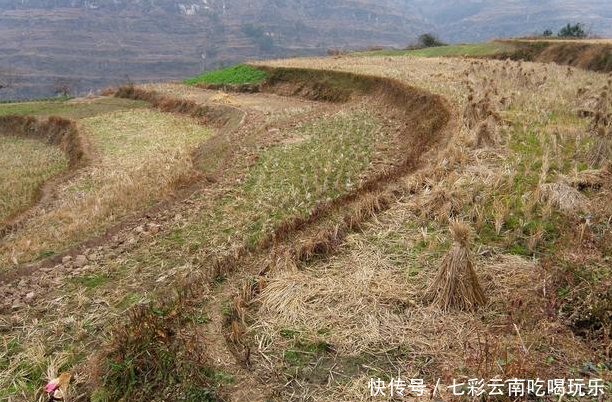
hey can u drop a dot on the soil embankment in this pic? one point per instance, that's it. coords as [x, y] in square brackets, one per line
[57, 131]
[594, 56]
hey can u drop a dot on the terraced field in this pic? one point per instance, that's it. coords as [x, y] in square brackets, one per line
[25, 165]
[519, 193]
[138, 158]
[461, 50]
[276, 175]
[75, 108]
[306, 249]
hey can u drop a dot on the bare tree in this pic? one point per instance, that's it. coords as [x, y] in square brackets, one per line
[7, 78]
[63, 86]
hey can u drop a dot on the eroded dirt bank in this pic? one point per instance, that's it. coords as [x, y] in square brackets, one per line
[586, 55]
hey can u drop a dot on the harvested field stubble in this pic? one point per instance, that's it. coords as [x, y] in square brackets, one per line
[27, 174]
[70, 109]
[510, 187]
[195, 241]
[309, 263]
[139, 157]
[54, 130]
[25, 165]
[296, 222]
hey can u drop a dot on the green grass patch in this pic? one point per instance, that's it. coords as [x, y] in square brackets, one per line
[91, 281]
[239, 74]
[470, 49]
[303, 350]
[290, 179]
[324, 159]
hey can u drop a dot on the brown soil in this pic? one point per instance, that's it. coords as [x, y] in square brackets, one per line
[594, 56]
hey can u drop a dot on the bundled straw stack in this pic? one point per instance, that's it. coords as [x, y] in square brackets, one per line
[457, 286]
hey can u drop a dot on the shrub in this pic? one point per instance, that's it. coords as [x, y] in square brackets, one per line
[258, 34]
[336, 52]
[147, 358]
[63, 87]
[572, 31]
[429, 40]
[547, 33]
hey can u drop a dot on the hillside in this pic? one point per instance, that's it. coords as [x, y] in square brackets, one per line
[478, 20]
[91, 44]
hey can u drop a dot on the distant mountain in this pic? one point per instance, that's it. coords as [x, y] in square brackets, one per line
[47, 44]
[478, 20]
[94, 43]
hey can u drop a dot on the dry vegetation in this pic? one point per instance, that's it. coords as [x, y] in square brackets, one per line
[526, 171]
[25, 164]
[456, 285]
[284, 167]
[72, 109]
[141, 156]
[293, 270]
[274, 108]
